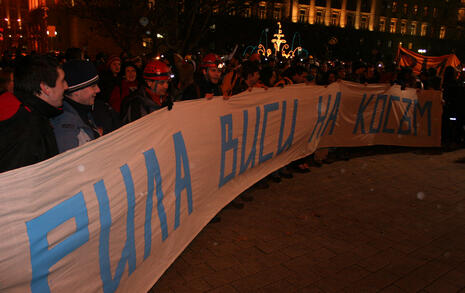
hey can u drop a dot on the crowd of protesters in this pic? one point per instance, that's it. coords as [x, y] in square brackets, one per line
[51, 104]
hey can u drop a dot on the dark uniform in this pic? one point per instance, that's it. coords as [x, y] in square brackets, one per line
[141, 103]
[26, 133]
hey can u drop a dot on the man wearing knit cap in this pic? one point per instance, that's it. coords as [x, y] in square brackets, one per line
[76, 125]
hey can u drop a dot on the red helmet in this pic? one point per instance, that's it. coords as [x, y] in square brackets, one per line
[255, 57]
[157, 70]
[212, 60]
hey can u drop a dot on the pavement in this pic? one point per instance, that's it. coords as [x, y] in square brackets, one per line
[387, 220]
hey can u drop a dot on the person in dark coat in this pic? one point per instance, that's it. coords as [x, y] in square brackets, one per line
[77, 125]
[25, 129]
[150, 97]
[109, 78]
[208, 84]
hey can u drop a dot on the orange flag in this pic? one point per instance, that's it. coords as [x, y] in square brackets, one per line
[419, 62]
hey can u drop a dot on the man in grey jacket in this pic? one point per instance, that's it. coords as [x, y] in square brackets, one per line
[76, 125]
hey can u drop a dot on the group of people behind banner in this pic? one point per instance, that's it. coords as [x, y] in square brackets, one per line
[50, 105]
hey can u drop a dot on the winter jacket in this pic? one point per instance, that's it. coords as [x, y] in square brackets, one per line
[141, 103]
[27, 136]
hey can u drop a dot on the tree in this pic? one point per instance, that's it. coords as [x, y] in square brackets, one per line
[180, 24]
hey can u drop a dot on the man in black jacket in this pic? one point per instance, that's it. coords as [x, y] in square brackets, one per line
[25, 129]
[150, 97]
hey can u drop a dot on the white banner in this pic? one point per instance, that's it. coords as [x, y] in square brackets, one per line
[113, 214]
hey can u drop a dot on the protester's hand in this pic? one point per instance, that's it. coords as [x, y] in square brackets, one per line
[226, 95]
[208, 96]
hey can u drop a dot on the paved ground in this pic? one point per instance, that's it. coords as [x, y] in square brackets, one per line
[380, 222]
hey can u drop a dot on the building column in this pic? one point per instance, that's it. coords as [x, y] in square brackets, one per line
[311, 16]
[328, 13]
[371, 24]
[295, 11]
[7, 14]
[343, 20]
[357, 14]
[287, 9]
[74, 31]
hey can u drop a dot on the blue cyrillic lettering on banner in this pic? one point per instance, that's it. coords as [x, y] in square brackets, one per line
[333, 114]
[290, 138]
[251, 157]
[388, 114]
[267, 108]
[405, 118]
[363, 106]
[153, 174]
[182, 166]
[321, 118]
[426, 106]
[381, 115]
[128, 254]
[227, 144]
[42, 257]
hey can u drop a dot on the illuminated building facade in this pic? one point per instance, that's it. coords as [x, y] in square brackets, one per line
[441, 19]
[435, 25]
[13, 30]
[30, 24]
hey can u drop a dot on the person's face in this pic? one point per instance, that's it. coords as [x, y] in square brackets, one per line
[300, 78]
[253, 78]
[130, 73]
[86, 96]
[54, 95]
[159, 87]
[115, 67]
[370, 72]
[331, 77]
[213, 75]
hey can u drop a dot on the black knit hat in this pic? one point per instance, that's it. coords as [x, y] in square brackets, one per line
[79, 74]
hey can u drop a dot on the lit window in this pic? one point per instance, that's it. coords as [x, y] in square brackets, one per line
[405, 8]
[393, 26]
[320, 17]
[413, 28]
[461, 15]
[403, 27]
[382, 25]
[425, 11]
[394, 6]
[262, 12]
[364, 22]
[335, 19]
[435, 12]
[415, 9]
[442, 32]
[303, 15]
[424, 29]
[277, 13]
